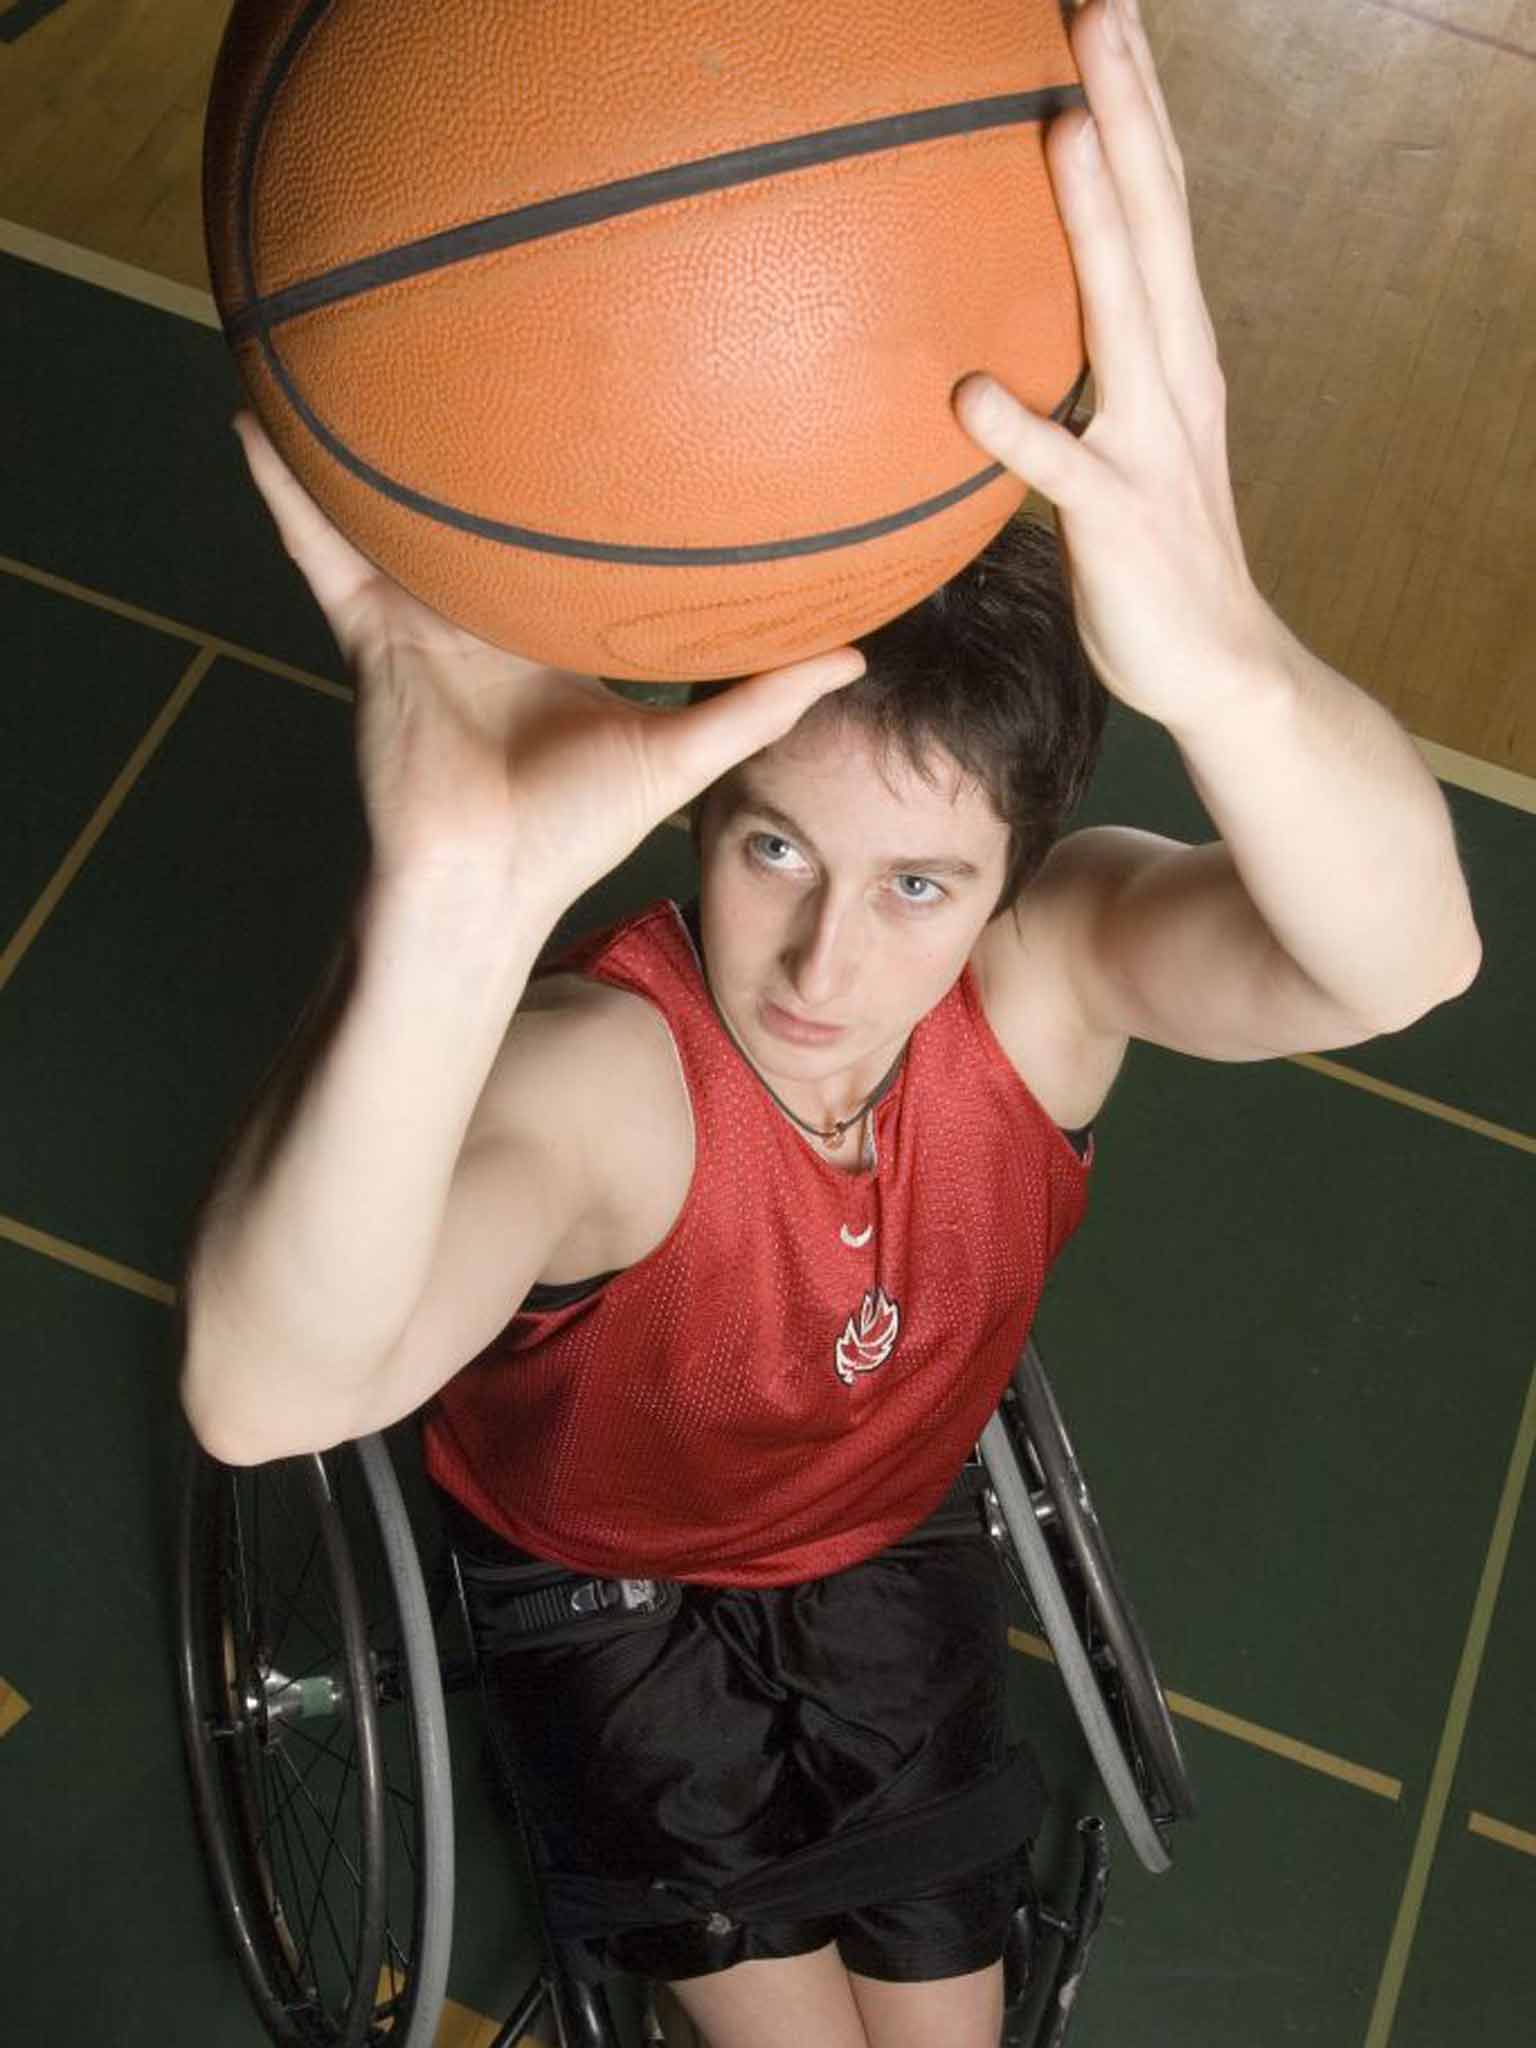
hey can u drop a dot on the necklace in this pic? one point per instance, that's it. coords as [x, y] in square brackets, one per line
[841, 1126]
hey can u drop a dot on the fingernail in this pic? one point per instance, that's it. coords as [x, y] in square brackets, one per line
[1113, 26]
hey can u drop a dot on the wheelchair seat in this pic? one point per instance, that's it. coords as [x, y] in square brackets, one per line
[312, 1679]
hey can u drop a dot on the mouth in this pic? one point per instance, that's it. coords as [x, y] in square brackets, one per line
[795, 1030]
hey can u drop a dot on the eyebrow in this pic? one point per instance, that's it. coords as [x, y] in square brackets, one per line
[747, 803]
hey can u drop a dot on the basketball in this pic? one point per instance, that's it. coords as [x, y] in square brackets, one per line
[625, 337]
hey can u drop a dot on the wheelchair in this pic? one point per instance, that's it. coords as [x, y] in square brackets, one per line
[312, 1682]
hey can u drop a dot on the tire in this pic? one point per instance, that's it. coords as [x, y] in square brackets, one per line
[316, 1744]
[1165, 1776]
[433, 1919]
[1071, 1583]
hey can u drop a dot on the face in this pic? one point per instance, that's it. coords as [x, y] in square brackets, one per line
[841, 894]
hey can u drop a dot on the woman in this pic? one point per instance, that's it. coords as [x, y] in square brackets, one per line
[791, 1175]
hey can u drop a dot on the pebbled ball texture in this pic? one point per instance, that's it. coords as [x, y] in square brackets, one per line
[668, 395]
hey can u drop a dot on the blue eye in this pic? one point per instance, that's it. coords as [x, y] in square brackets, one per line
[934, 894]
[771, 850]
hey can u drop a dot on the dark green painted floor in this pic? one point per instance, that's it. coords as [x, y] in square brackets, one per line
[1294, 1344]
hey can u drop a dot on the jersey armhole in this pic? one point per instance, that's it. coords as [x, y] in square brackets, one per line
[567, 1294]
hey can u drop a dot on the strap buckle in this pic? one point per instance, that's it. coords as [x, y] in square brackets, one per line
[597, 1596]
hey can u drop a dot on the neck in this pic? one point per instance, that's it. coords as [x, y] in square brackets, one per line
[837, 1128]
[858, 1093]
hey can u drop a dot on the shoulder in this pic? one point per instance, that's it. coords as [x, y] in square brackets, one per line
[1125, 934]
[596, 1054]
[1029, 970]
[595, 1071]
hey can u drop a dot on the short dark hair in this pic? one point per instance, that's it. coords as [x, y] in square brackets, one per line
[989, 667]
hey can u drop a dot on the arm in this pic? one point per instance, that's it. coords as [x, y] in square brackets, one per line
[1334, 906]
[318, 1239]
[1342, 842]
[412, 1162]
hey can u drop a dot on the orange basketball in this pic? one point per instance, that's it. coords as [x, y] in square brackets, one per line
[625, 335]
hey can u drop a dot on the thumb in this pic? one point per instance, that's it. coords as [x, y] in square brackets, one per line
[707, 739]
[1040, 453]
[332, 567]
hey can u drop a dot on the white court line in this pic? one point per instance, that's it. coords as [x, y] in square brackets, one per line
[123, 278]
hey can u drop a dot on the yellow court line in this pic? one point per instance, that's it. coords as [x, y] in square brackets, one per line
[1395, 1967]
[1358, 1775]
[1405, 1098]
[1464, 771]
[462, 2027]
[459, 2026]
[1251, 1732]
[1501, 1831]
[86, 1262]
[16, 948]
[13, 1708]
[138, 616]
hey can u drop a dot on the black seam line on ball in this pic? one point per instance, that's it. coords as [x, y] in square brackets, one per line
[632, 195]
[616, 551]
[250, 144]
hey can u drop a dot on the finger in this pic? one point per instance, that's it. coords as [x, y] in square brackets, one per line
[1047, 457]
[1146, 65]
[332, 567]
[1147, 173]
[1118, 325]
[1140, 49]
[701, 743]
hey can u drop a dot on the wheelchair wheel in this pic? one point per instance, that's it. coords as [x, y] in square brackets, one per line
[1124, 1648]
[316, 1742]
[1071, 1583]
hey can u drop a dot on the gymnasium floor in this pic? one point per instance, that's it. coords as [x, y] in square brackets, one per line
[1294, 1342]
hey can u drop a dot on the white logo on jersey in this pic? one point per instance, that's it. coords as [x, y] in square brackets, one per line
[853, 1243]
[871, 1340]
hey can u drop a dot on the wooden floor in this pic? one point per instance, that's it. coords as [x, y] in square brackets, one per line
[1362, 174]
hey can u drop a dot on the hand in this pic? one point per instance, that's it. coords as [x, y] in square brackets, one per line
[479, 764]
[1165, 603]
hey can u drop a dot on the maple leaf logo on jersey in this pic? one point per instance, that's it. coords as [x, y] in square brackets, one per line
[870, 1339]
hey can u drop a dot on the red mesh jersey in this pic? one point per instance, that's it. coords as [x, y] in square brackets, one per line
[792, 1379]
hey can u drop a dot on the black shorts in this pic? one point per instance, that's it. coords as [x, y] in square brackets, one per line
[698, 1748]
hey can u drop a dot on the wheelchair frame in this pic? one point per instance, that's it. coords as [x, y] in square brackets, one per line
[263, 1741]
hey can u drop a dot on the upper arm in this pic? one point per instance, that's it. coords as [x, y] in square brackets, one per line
[1161, 941]
[578, 1089]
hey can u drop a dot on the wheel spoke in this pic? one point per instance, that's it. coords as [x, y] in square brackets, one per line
[296, 1645]
[254, 1578]
[322, 1752]
[322, 1901]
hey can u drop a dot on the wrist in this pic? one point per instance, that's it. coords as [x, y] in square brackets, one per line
[456, 927]
[1261, 680]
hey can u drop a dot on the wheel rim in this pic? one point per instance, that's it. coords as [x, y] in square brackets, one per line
[1116, 1645]
[301, 1745]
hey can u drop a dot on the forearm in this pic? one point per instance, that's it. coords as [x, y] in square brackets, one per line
[1340, 834]
[318, 1236]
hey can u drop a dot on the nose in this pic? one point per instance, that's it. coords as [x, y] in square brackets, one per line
[822, 955]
